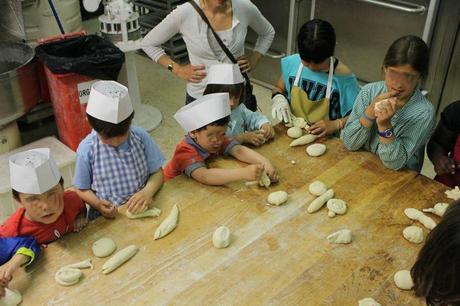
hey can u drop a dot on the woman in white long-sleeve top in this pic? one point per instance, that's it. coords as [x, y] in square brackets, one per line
[229, 18]
[392, 118]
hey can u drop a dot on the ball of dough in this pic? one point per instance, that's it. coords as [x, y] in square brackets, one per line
[316, 149]
[221, 237]
[104, 247]
[337, 206]
[299, 122]
[368, 302]
[413, 234]
[277, 198]
[11, 298]
[331, 214]
[67, 276]
[294, 132]
[317, 188]
[403, 280]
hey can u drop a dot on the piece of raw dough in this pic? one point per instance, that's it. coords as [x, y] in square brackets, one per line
[81, 265]
[403, 280]
[305, 139]
[453, 194]
[103, 247]
[66, 276]
[316, 149]
[337, 207]
[299, 122]
[317, 203]
[317, 188]
[439, 209]
[294, 132]
[168, 224]
[151, 212]
[264, 180]
[277, 198]
[368, 302]
[417, 215]
[221, 237]
[343, 236]
[11, 298]
[413, 234]
[119, 258]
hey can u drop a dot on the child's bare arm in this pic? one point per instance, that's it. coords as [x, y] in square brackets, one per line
[106, 208]
[250, 156]
[143, 199]
[216, 176]
[7, 270]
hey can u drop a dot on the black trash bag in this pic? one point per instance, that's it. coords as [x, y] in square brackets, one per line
[88, 55]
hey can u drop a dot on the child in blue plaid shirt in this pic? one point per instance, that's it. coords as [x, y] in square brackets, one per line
[116, 163]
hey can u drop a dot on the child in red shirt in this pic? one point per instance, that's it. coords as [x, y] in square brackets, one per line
[205, 121]
[47, 212]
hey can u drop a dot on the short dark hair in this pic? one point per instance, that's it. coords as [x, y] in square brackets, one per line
[408, 50]
[316, 41]
[16, 193]
[218, 122]
[108, 129]
[234, 90]
[436, 273]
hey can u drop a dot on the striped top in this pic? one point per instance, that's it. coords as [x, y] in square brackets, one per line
[412, 124]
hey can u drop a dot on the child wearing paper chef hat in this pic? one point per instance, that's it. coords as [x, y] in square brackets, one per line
[245, 126]
[46, 212]
[205, 121]
[117, 163]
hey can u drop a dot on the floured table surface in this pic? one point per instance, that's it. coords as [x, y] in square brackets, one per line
[278, 255]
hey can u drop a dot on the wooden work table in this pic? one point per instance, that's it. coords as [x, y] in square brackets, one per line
[278, 256]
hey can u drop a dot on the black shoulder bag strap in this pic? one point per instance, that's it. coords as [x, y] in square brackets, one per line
[219, 41]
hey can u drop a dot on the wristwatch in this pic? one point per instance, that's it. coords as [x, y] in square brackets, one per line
[171, 66]
[387, 133]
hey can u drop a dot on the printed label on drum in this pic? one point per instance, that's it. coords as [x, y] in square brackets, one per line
[83, 91]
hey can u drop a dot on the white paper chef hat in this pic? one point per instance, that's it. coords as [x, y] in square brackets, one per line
[203, 111]
[33, 171]
[109, 101]
[228, 74]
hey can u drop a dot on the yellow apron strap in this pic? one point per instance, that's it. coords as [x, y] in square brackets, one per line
[303, 107]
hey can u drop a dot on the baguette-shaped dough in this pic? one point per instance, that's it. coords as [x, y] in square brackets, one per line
[119, 258]
[317, 203]
[304, 140]
[152, 212]
[168, 224]
[417, 215]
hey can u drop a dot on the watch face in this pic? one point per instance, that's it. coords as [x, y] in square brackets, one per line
[387, 133]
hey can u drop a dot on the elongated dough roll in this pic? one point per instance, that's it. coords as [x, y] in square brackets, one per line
[119, 258]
